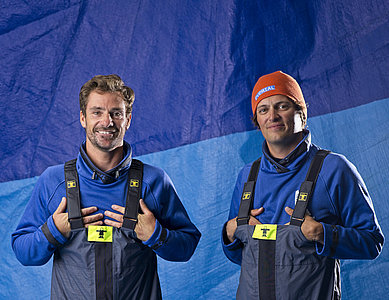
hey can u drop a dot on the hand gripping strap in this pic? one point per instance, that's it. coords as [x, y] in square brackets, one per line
[134, 192]
[73, 195]
[246, 200]
[307, 188]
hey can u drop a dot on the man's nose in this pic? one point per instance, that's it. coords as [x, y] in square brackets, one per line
[107, 120]
[273, 114]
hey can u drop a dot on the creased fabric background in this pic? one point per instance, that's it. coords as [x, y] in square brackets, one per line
[192, 65]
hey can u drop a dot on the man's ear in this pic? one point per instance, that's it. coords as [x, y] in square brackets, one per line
[82, 119]
[129, 121]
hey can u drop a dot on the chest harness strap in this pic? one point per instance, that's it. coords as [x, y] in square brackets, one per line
[246, 200]
[73, 195]
[307, 188]
[134, 191]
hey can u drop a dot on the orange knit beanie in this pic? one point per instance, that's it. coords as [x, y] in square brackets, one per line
[277, 83]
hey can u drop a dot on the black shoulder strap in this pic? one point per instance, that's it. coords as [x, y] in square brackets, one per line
[246, 200]
[73, 195]
[134, 193]
[307, 188]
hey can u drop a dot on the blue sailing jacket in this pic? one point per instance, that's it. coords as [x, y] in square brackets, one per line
[33, 248]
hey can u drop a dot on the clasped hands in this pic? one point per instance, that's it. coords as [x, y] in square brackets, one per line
[311, 229]
[143, 229]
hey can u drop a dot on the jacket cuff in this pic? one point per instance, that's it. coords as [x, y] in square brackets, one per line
[325, 249]
[158, 237]
[53, 230]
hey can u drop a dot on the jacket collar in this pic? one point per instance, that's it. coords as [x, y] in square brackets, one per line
[289, 162]
[86, 168]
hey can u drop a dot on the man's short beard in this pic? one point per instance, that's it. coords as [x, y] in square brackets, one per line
[94, 141]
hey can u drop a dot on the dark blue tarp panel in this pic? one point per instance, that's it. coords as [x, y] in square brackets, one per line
[192, 65]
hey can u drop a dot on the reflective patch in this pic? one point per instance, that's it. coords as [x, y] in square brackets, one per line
[134, 183]
[100, 234]
[71, 184]
[246, 196]
[265, 232]
[303, 197]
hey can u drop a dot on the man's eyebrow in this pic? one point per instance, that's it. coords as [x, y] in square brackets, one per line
[102, 108]
[96, 108]
[263, 105]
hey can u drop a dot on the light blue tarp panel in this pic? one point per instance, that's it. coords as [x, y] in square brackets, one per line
[192, 65]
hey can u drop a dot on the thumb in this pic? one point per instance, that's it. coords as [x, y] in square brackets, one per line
[62, 206]
[289, 211]
[144, 207]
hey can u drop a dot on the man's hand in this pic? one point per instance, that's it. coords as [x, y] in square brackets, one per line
[146, 221]
[312, 230]
[232, 225]
[60, 217]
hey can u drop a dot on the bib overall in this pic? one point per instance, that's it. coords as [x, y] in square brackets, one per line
[278, 262]
[103, 262]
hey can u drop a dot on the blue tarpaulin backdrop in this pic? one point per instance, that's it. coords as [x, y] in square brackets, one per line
[192, 65]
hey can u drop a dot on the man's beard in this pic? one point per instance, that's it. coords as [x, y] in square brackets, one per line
[102, 143]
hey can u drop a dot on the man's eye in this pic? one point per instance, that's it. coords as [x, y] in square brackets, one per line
[117, 114]
[283, 106]
[262, 111]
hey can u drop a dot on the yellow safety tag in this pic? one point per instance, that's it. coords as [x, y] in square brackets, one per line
[100, 234]
[265, 232]
[71, 184]
[303, 197]
[134, 183]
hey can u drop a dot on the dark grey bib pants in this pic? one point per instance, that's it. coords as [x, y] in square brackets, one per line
[123, 269]
[286, 268]
[278, 262]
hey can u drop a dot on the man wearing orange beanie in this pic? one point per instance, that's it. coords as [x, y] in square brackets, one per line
[298, 209]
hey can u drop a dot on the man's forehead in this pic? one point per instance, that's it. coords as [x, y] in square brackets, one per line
[101, 99]
[274, 99]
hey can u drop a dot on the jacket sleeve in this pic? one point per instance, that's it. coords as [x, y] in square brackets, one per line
[175, 237]
[233, 251]
[356, 234]
[30, 241]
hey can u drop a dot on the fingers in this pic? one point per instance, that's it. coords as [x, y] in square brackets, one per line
[289, 211]
[98, 223]
[62, 206]
[254, 221]
[118, 208]
[257, 212]
[115, 216]
[88, 220]
[113, 223]
[88, 210]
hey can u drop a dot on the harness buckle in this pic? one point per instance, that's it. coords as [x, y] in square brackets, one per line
[242, 220]
[129, 223]
[76, 223]
[296, 221]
